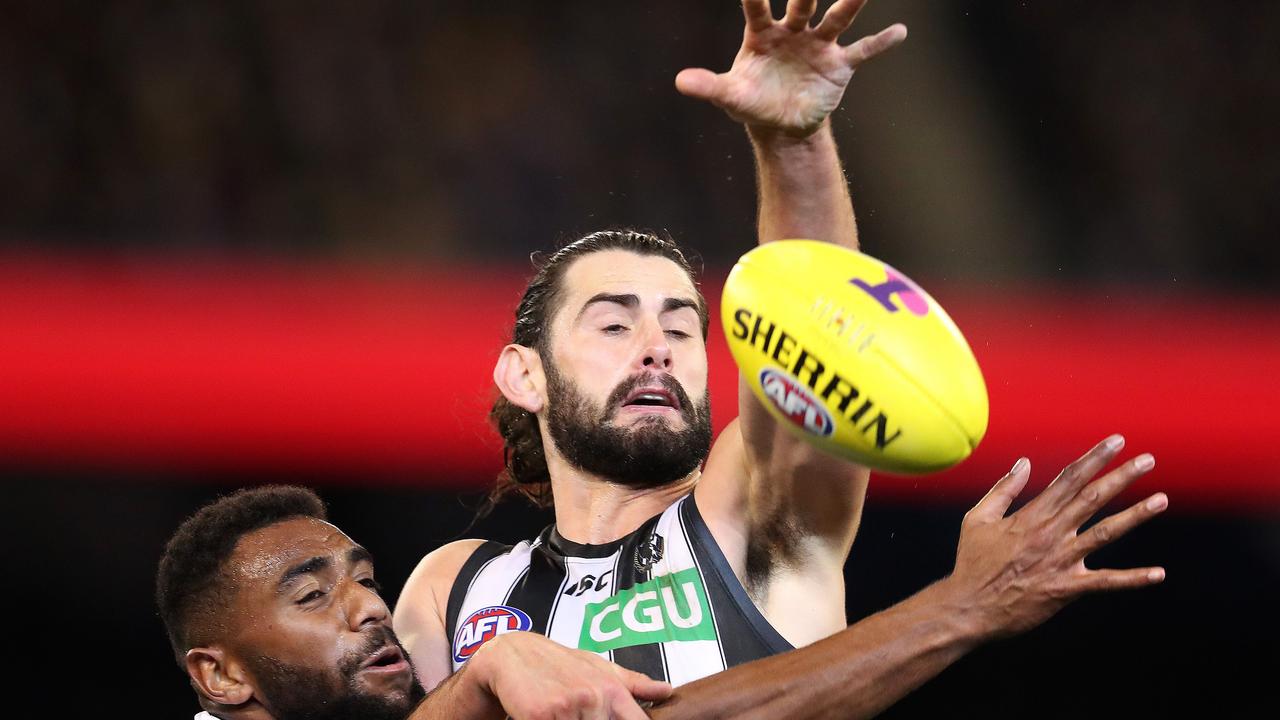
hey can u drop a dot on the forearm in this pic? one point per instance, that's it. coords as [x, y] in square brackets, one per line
[803, 190]
[855, 673]
[463, 695]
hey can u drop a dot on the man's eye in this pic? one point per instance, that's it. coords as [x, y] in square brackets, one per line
[615, 329]
[309, 597]
[679, 334]
[372, 584]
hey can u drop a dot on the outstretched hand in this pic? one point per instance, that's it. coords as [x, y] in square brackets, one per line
[1016, 571]
[789, 75]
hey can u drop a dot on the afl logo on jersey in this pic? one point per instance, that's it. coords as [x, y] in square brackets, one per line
[484, 625]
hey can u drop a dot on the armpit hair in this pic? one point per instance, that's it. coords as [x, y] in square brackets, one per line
[774, 543]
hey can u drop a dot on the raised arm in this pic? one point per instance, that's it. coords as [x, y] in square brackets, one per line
[787, 78]
[1012, 573]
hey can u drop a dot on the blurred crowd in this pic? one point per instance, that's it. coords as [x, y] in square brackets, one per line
[1005, 140]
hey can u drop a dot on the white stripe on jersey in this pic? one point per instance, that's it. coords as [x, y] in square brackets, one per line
[565, 625]
[693, 659]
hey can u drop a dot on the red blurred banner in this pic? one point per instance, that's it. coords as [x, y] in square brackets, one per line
[383, 375]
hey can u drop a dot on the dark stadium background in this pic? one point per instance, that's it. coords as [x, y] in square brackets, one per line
[277, 242]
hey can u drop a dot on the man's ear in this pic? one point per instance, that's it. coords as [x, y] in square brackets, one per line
[217, 677]
[518, 374]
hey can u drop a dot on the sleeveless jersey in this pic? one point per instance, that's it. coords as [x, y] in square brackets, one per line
[662, 601]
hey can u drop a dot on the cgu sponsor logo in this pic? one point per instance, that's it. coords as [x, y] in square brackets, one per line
[795, 402]
[668, 608]
[484, 625]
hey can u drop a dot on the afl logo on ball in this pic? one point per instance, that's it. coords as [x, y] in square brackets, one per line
[795, 402]
[484, 625]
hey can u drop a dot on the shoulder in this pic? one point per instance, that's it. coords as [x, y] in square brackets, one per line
[440, 566]
[421, 609]
[427, 588]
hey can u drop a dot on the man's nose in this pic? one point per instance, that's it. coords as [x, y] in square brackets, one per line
[365, 606]
[657, 352]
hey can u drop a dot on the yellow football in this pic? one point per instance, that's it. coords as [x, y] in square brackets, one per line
[854, 357]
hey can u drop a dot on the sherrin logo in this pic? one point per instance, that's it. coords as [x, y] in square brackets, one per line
[806, 377]
[796, 402]
[484, 625]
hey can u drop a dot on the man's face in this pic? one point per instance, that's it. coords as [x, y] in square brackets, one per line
[627, 372]
[308, 623]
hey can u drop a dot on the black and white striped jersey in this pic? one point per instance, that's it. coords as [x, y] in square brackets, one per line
[662, 600]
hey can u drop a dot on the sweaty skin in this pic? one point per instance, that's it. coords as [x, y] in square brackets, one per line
[305, 597]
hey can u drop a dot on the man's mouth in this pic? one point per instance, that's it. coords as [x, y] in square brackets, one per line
[389, 660]
[651, 397]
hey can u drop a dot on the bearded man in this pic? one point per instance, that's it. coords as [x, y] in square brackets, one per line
[678, 558]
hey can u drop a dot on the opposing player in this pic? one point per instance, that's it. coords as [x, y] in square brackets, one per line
[681, 572]
[274, 614]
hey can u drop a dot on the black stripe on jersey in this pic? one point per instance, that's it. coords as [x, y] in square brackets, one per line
[617, 563]
[506, 598]
[538, 589]
[648, 659]
[725, 591]
[481, 556]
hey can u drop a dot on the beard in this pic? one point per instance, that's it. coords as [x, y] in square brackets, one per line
[293, 692]
[650, 454]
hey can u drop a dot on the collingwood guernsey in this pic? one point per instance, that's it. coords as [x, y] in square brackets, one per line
[662, 601]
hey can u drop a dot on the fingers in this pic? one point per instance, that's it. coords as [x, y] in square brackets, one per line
[798, 14]
[869, 47]
[1115, 527]
[579, 703]
[1094, 495]
[996, 503]
[838, 18]
[629, 710]
[757, 14]
[1074, 476]
[1109, 580]
[641, 686]
[698, 83]
[636, 687]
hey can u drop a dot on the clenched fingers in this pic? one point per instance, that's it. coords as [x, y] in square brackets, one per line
[1115, 527]
[626, 708]
[642, 686]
